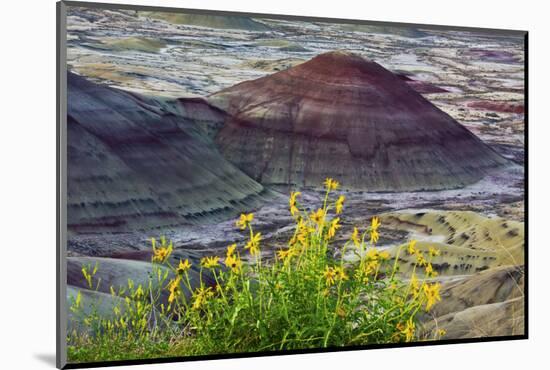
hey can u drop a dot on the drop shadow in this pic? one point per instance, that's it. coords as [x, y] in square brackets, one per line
[46, 358]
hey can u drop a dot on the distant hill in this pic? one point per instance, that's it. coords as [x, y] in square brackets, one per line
[210, 21]
[138, 163]
[136, 43]
[346, 117]
[405, 31]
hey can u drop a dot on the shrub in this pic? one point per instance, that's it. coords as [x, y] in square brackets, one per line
[301, 298]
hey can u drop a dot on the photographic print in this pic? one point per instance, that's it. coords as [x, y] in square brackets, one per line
[241, 184]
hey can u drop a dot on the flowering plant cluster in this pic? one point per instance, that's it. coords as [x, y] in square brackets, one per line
[302, 297]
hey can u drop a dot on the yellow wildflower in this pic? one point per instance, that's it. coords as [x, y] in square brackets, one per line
[88, 276]
[385, 255]
[183, 266]
[431, 292]
[333, 274]
[420, 260]
[366, 269]
[331, 184]
[293, 197]
[396, 337]
[285, 255]
[210, 262]
[244, 221]
[306, 228]
[441, 332]
[330, 276]
[234, 263]
[161, 253]
[301, 235]
[301, 225]
[434, 252]
[355, 237]
[430, 271]
[302, 238]
[372, 254]
[292, 202]
[375, 223]
[374, 236]
[371, 267]
[293, 240]
[254, 244]
[175, 290]
[231, 249]
[415, 286]
[318, 216]
[340, 204]
[77, 301]
[334, 225]
[411, 249]
[201, 296]
[340, 273]
[409, 329]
